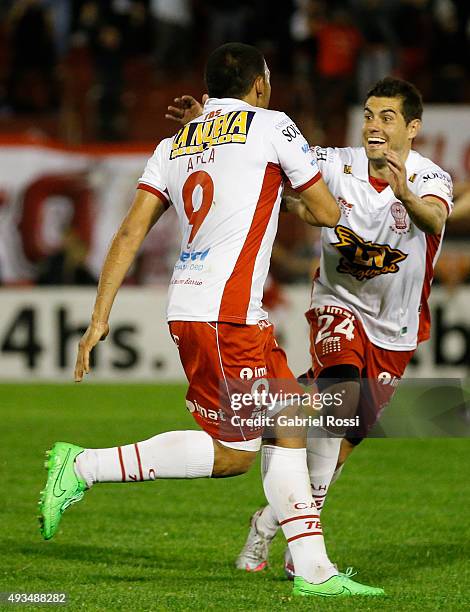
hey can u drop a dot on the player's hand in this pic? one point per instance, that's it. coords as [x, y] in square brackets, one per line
[397, 175]
[94, 333]
[186, 109]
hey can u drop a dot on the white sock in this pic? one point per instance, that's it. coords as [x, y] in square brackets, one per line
[322, 457]
[174, 454]
[287, 489]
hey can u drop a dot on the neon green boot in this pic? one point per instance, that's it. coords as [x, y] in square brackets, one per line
[336, 586]
[63, 487]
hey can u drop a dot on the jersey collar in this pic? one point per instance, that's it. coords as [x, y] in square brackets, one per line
[225, 102]
[360, 167]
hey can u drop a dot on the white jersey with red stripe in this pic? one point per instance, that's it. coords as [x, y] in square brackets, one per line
[223, 173]
[376, 262]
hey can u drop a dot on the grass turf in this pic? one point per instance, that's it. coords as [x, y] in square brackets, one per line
[399, 514]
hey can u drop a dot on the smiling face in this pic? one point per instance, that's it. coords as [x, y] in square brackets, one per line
[385, 128]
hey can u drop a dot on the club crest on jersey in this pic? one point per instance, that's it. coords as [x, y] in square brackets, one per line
[365, 260]
[347, 169]
[218, 130]
[401, 223]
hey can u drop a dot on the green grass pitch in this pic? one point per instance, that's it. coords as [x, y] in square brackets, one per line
[399, 514]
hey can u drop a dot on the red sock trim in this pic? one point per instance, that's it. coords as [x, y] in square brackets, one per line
[298, 518]
[139, 462]
[304, 535]
[123, 471]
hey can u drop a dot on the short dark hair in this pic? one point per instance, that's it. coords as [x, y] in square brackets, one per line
[232, 69]
[390, 87]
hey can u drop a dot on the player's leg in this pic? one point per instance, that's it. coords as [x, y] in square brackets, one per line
[337, 367]
[174, 454]
[287, 488]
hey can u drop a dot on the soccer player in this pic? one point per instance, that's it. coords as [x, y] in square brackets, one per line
[369, 305]
[223, 173]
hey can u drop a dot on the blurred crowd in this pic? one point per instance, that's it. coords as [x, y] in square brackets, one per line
[331, 51]
[87, 70]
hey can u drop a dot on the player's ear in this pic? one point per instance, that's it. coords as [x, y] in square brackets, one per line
[260, 86]
[413, 128]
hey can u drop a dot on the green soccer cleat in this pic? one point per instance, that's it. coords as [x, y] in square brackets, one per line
[63, 487]
[336, 586]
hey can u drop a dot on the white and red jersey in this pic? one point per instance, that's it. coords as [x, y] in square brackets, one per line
[223, 173]
[376, 262]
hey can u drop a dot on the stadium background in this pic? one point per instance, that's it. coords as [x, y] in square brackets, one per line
[83, 91]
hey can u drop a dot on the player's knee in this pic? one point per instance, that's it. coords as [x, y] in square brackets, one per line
[231, 462]
[344, 380]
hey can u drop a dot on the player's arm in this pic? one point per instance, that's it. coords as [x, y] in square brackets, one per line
[429, 213]
[145, 211]
[315, 205]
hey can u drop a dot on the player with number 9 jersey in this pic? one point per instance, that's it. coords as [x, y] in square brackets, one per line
[228, 212]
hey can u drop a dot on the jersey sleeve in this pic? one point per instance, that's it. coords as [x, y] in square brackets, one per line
[294, 154]
[153, 179]
[435, 182]
[326, 159]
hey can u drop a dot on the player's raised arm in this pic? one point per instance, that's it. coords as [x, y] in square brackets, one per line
[146, 209]
[429, 212]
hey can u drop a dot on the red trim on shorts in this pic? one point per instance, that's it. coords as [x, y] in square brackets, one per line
[309, 183]
[236, 296]
[156, 192]
[424, 328]
[298, 518]
[139, 461]
[304, 535]
[123, 471]
[433, 195]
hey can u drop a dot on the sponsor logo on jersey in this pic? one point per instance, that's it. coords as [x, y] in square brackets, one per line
[194, 255]
[401, 223]
[282, 123]
[446, 184]
[435, 175]
[223, 129]
[291, 132]
[365, 260]
[190, 260]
